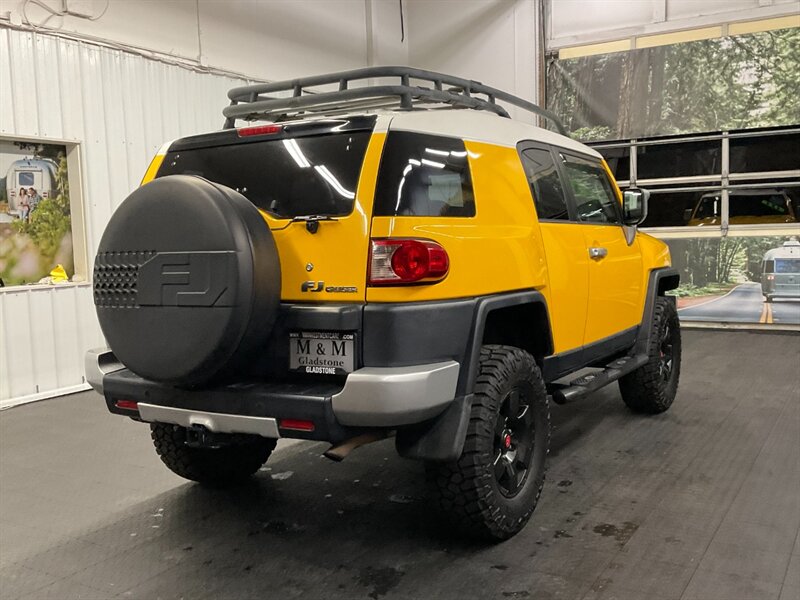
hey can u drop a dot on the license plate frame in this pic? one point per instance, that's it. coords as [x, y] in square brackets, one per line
[322, 352]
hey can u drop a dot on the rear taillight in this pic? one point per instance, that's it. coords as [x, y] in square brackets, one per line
[296, 424]
[259, 130]
[770, 277]
[402, 261]
[127, 404]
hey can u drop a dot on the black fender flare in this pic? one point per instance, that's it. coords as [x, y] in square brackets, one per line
[660, 280]
[442, 438]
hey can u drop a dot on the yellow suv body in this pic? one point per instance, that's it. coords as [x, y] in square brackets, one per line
[439, 274]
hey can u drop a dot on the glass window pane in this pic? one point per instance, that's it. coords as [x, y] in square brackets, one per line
[767, 206]
[424, 175]
[679, 159]
[787, 265]
[25, 178]
[594, 197]
[315, 175]
[768, 153]
[674, 209]
[548, 194]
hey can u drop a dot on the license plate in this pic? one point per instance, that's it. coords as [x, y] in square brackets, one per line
[321, 353]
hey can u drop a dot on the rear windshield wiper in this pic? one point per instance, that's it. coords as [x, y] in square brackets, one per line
[312, 222]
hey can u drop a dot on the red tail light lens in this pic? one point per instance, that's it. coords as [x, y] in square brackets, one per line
[127, 404]
[259, 130]
[296, 424]
[402, 261]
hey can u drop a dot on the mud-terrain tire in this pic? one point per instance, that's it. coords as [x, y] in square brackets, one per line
[490, 492]
[215, 467]
[652, 387]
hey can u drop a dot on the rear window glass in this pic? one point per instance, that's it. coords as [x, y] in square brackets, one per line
[25, 178]
[787, 265]
[424, 175]
[315, 175]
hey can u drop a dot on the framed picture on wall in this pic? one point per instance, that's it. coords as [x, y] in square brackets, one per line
[41, 213]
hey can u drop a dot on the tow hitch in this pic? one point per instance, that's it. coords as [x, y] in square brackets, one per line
[200, 436]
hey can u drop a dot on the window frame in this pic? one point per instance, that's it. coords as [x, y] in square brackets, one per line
[571, 210]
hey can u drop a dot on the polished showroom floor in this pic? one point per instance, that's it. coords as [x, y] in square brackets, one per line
[702, 502]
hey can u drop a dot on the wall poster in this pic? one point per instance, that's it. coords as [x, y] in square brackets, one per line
[35, 214]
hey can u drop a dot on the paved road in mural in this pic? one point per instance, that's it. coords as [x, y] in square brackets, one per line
[744, 304]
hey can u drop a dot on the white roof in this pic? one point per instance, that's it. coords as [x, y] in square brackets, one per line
[481, 126]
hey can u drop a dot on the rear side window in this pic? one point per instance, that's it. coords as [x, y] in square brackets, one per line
[769, 266]
[595, 199]
[424, 175]
[548, 195]
[314, 175]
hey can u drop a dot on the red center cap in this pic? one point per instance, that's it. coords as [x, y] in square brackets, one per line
[507, 441]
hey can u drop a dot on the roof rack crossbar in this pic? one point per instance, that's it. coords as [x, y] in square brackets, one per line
[255, 102]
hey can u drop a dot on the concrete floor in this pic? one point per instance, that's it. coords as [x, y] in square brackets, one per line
[702, 502]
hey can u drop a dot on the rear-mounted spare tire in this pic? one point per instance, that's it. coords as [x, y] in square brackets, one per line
[186, 281]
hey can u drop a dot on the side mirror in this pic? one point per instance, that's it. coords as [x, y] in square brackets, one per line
[634, 206]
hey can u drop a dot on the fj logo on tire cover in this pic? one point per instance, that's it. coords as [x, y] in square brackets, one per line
[187, 279]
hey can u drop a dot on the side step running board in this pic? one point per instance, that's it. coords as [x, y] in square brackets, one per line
[585, 385]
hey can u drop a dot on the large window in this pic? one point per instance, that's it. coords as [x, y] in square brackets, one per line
[717, 180]
[314, 175]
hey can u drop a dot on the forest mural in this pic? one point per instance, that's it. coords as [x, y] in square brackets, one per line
[735, 82]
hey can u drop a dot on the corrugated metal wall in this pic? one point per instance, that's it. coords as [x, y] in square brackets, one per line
[120, 107]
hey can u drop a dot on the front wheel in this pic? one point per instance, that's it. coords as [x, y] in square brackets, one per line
[652, 387]
[492, 489]
[221, 466]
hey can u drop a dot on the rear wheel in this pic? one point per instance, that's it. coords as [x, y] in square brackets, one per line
[492, 489]
[652, 387]
[217, 467]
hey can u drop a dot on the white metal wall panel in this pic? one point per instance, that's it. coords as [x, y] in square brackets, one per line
[120, 107]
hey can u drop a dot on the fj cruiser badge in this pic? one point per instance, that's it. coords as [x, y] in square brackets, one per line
[319, 286]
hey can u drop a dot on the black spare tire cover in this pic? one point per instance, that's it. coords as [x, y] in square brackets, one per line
[186, 281]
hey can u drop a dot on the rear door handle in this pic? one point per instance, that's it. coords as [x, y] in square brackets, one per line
[597, 253]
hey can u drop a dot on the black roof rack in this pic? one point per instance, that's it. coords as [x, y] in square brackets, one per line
[253, 102]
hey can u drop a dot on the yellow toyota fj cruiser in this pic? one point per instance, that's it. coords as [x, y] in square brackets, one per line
[389, 258]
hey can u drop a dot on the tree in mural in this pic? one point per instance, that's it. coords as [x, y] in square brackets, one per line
[705, 261]
[710, 85]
